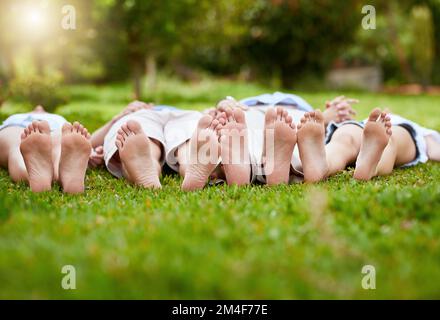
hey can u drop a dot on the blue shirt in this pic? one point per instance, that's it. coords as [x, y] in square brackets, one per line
[278, 98]
[25, 119]
[164, 107]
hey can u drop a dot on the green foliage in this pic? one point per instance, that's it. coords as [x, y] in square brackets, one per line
[282, 42]
[218, 36]
[142, 28]
[398, 37]
[224, 242]
[423, 47]
[36, 90]
[292, 38]
[4, 91]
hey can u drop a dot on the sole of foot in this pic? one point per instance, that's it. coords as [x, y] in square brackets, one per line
[311, 145]
[36, 148]
[280, 138]
[135, 152]
[204, 154]
[75, 153]
[234, 148]
[375, 138]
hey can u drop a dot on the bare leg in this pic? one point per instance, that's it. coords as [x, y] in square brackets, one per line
[279, 142]
[75, 153]
[381, 151]
[311, 136]
[433, 148]
[400, 150]
[234, 148]
[343, 148]
[139, 155]
[203, 155]
[10, 155]
[36, 148]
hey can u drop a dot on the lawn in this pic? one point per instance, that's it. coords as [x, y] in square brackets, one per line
[289, 242]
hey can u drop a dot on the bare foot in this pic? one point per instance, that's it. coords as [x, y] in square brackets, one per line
[234, 148]
[36, 148]
[279, 142]
[376, 135]
[204, 154]
[75, 153]
[311, 145]
[136, 156]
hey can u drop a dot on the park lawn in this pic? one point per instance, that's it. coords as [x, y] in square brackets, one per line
[296, 241]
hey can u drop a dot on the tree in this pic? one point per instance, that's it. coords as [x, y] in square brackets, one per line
[424, 50]
[149, 31]
[290, 38]
[7, 70]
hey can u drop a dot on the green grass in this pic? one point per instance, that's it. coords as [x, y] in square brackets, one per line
[294, 241]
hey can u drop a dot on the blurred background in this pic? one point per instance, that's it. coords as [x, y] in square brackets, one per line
[281, 44]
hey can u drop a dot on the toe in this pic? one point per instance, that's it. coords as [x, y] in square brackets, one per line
[125, 130]
[86, 133]
[34, 126]
[229, 114]
[67, 127]
[239, 116]
[307, 117]
[118, 142]
[134, 126]
[271, 115]
[43, 127]
[374, 115]
[288, 119]
[279, 113]
[76, 126]
[214, 124]
[319, 117]
[204, 122]
[221, 117]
